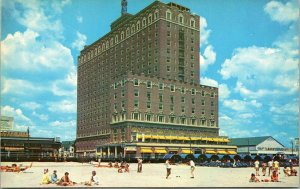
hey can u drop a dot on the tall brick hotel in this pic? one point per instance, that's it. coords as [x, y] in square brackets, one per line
[139, 92]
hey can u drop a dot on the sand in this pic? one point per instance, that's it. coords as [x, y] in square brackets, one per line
[153, 175]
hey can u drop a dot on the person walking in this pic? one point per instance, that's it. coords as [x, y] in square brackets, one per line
[256, 166]
[140, 165]
[192, 164]
[168, 166]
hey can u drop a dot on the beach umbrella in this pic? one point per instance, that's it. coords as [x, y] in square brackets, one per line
[247, 157]
[201, 157]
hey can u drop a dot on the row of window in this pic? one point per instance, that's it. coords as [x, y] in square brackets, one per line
[131, 30]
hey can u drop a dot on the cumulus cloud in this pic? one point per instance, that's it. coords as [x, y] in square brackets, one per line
[79, 42]
[283, 13]
[204, 31]
[241, 105]
[64, 106]
[208, 57]
[16, 113]
[56, 123]
[42, 117]
[31, 105]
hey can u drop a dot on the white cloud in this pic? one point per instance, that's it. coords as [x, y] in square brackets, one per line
[64, 106]
[246, 115]
[56, 123]
[208, 57]
[224, 92]
[79, 19]
[23, 51]
[283, 13]
[288, 108]
[66, 87]
[241, 105]
[42, 117]
[17, 114]
[79, 42]
[204, 32]
[30, 105]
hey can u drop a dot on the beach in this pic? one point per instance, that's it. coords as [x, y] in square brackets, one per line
[153, 175]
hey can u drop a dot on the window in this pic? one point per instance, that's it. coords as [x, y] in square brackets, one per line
[161, 118]
[149, 84]
[148, 105]
[136, 92]
[192, 22]
[156, 15]
[182, 90]
[182, 120]
[111, 42]
[172, 99]
[144, 22]
[202, 102]
[122, 35]
[212, 103]
[182, 109]
[171, 107]
[136, 103]
[212, 94]
[123, 93]
[193, 121]
[172, 119]
[193, 92]
[138, 26]
[160, 106]
[212, 113]
[132, 29]
[212, 123]
[127, 32]
[180, 19]
[193, 101]
[161, 86]
[172, 88]
[150, 19]
[115, 96]
[168, 15]
[168, 33]
[203, 122]
[115, 106]
[202, 93]
[202, 111]
[123, 104]
[148, 96]
[160, 97]
[136, 116]
[136, 82]
[182, 99]
[193, 110]
[148, 117]
[168, 68]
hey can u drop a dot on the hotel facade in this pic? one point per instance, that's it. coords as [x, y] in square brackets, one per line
[139, 92]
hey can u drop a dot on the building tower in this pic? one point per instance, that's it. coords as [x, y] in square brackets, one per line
[139, 92]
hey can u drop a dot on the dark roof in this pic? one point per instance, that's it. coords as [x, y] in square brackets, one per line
[249, 141]
[67, 144]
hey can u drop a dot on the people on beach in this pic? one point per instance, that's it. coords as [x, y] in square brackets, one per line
[287, 171]
[54, 178]
[116, 165]
[293, 171]
[140, 165]
[126, 167]
[253, 178]
[276, 166]
[65, 180]
[270, 165]
[94, 180]
[256, 166]
[192, 164]
[45, 178]
[110, 164]
[274, 176]
[168, 166]
[264, 168]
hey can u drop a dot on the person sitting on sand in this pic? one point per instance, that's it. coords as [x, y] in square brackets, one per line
[293, 171]
[45, 178]
[274, 176]
[253, 178]
[94, 180]
[127, 167]
[110, 164]
[120, 170]
[116, 165]
[54, 178]
[287, 171]
[65, 181]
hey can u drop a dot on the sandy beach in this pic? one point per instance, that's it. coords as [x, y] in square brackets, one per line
[153, 175]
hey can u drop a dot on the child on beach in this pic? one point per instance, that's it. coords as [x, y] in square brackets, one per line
[253, 178]
[274, 176]
[45, 178]
[287, 171]
[94, 180]
[65, 181]
[256, 166]
[54, 178]
[293, 171]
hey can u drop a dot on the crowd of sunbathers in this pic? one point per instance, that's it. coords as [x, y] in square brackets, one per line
[15, 168]
[65, 180]
[274, 171]
[123, 167]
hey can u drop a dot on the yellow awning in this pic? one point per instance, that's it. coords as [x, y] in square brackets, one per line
[161, 137]
[210, 152]
[147, 136]
[195, 138]
[155, 137]
[160, 151]
[146, 150]
[231, 152]
[140, 136]
[185, 151]
[222, 152]
[171, 137]
[226, 140]
[210, 139]
[181, 138]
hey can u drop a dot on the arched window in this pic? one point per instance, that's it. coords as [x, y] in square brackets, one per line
[103, 47]
[144, 22]
[127, 32]
[116, 38]
[107, 44]
[138, 26]
[96, 52]
[168, 15]
[132, 28]
[192, 22]
[180, 19]
[156, 14]
[122, 35]
[111, 42]
[149, 18]
[99, 49]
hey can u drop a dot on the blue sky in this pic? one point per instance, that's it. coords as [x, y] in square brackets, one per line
[248, 48]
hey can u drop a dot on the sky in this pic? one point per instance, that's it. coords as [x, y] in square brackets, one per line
[248, 49]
